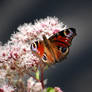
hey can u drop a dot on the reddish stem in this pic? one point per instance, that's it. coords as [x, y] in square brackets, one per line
[42, 79]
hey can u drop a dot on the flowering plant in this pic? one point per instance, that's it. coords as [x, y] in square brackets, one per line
[20, 69]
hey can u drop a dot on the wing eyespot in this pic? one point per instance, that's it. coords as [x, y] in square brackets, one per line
[68, 32]
[64, 50]
[44, 57]
[33, 47]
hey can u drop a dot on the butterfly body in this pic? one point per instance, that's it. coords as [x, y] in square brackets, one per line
[55, 48]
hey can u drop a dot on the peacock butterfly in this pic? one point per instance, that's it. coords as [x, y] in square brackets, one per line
[55, 48]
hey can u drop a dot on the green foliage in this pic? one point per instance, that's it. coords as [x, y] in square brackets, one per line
[37, 74]
[50, 89]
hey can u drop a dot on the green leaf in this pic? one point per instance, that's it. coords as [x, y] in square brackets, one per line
[50, 89]
[37, 74]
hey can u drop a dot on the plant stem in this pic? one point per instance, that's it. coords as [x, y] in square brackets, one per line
[42, 80]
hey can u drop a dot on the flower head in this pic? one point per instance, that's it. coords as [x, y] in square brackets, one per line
[16, 58]
[33, 85]
[57, 89]
[18, 48]
[6, 88]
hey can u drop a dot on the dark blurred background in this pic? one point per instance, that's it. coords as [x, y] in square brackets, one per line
[75, 73]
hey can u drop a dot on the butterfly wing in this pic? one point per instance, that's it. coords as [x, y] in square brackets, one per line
[64, 37]
[61, 42]
[38, 48]
[43, 49]
[55, 48]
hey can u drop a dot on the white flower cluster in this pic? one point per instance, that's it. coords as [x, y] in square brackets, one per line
[6, 88]
[33, 85]
[17, 49]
